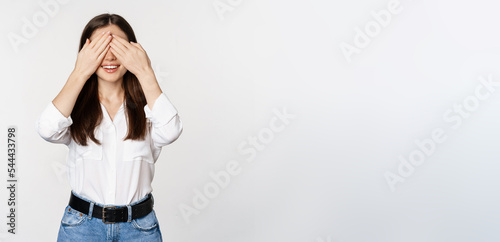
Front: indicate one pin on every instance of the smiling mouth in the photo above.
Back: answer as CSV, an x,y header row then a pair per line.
x,y
110,68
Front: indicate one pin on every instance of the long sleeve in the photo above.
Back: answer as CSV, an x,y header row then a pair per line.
x,y
166,123
53,127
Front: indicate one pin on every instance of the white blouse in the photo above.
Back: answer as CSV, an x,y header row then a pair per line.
x,y
117,172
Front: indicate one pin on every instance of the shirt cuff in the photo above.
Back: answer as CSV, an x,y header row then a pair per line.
x,y
53,119
163,111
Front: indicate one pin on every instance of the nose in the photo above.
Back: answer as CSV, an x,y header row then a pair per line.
x,y
109,56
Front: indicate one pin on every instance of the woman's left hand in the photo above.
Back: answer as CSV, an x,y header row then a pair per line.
x,y
131,55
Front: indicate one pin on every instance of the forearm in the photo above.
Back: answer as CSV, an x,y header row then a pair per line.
x,y
150,86
66,99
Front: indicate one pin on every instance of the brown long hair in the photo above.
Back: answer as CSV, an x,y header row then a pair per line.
x,y
87,112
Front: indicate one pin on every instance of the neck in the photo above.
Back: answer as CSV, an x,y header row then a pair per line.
x,y
110,91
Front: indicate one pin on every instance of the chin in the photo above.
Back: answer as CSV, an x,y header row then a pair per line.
x,y
110,77
110,80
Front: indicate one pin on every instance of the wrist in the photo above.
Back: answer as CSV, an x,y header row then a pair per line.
x,y
146,74
80,75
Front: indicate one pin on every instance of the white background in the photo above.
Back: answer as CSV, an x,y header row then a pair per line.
x,y
321,177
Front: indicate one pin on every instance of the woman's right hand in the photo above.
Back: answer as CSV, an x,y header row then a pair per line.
x,y
91,55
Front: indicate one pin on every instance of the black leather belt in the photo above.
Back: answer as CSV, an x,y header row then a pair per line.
x,y
113,214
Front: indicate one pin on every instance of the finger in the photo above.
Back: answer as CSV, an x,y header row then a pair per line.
x,y
138,46
92,43
118,55
118,48
87,42
101,56
119,45
122,41
104,44
98,42
102,40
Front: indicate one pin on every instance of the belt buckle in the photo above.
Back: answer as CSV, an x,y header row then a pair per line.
x,y
104,214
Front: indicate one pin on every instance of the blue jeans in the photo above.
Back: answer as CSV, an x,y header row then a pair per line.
x,y
77,226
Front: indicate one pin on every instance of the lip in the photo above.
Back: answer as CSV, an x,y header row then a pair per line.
x,y
112,70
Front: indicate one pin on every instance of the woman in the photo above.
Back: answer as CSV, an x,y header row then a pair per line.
x,y
114,118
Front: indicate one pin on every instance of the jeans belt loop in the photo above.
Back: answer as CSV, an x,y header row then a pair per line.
x,y
129,219
91,209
